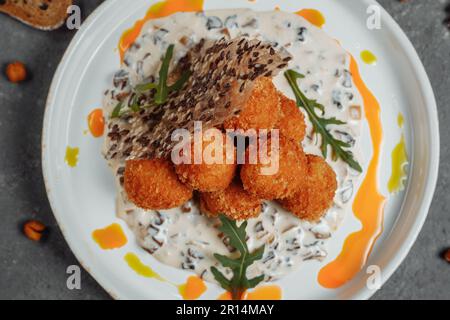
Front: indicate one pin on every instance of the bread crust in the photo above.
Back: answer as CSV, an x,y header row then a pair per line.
x,y
40,14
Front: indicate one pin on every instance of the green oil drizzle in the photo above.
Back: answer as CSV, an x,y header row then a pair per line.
x,y
141,269
71,156
399,157
368,57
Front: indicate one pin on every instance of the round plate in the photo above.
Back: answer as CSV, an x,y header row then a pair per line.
x,y
82,198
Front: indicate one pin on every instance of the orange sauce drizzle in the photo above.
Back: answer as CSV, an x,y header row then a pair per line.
x,y
225,296
269,292
158,10
96,122
314,16
192,289
111,237
368,206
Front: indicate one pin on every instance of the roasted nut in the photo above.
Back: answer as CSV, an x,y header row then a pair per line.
x,y
447,255
34,230
16,72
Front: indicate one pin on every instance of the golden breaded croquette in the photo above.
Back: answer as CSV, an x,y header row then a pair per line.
x,y
154,185
288,177
207,176
261,110
234,202
292,121
313,200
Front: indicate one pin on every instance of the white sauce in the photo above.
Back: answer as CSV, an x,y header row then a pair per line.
x,y
188,240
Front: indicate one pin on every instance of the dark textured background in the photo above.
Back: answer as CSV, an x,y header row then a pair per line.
x,y
31,270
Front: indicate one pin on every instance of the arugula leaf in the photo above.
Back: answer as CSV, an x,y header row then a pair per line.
x,y
239,283
162,89
320,124
141,88
178,85
134,104
117,109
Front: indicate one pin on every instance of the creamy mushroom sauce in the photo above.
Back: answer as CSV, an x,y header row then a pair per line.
x,y
182,237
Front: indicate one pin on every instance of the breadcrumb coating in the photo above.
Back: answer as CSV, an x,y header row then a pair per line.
x,y
292,120
312,201
206,177
261,110
234,202
153,185
286,180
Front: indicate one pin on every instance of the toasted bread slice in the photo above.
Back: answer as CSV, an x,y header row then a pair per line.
x,y
41,14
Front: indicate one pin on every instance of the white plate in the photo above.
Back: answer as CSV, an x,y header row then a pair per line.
x,y
82,198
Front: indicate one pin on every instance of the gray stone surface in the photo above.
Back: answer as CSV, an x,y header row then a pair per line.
x,y
38,271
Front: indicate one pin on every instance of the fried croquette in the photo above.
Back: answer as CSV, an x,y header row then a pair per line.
x,y
210,176
279,174
292,121
154,185
234,202
261,110
312,201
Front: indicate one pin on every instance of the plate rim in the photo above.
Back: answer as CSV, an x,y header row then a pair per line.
x,y
430,182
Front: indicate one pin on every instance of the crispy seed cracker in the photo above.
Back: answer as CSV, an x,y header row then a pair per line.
x,y
223,73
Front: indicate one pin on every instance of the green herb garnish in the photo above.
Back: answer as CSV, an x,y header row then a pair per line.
x,y
162,89
239,283
320,124
134,104
117,109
